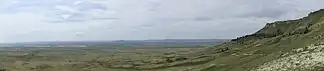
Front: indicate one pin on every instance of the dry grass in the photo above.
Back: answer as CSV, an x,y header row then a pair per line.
x,y
123,60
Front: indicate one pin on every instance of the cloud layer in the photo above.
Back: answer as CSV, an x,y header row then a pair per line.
x,y
75,20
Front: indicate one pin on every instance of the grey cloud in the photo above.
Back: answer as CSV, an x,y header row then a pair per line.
x,y
104,18
265,13
66,21
203,19
146,19
80,20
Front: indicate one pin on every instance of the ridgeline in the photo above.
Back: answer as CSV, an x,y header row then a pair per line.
x,y
270,46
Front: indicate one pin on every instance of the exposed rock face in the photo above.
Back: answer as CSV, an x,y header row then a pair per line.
x,y
302,59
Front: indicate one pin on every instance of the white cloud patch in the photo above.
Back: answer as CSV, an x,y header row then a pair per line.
x,y
66,16
77,2
66,8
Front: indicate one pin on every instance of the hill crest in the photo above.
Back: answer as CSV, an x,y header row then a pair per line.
x,y
269,43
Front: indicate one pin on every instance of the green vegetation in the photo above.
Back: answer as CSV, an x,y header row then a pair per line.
x,y
270,43
128,59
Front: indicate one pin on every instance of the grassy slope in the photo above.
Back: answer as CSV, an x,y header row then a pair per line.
x,y
269,43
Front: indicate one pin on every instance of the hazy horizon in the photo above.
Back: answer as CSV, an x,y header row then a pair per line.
x,y
105,40
84,20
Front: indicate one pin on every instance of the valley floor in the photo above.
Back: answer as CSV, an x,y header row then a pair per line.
x,y
139,59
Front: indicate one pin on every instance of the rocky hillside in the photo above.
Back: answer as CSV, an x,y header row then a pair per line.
x,y
310,58
271,47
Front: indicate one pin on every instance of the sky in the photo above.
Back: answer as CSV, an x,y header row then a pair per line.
x,y
91,20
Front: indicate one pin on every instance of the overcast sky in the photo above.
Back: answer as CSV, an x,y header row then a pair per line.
x,y
77,20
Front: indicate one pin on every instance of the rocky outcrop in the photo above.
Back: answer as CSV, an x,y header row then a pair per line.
x,y
301,59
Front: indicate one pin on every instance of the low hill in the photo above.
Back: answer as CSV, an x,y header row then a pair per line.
x,y
276,47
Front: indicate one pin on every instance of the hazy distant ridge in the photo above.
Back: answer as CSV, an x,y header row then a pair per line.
x,y
126,43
